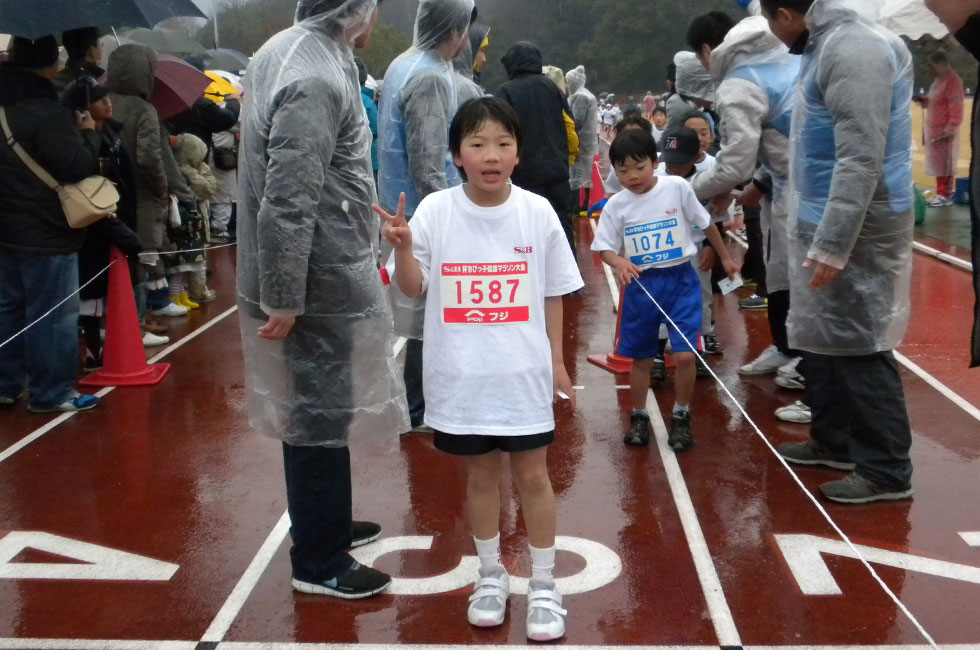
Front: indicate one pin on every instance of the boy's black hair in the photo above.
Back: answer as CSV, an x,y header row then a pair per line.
x,y
660,109
709,29
700,115
799,6
472,115
633,119
362,73
78,41
634,144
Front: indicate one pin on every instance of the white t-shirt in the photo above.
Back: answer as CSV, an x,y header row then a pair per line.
x,y
653,229
487,359
658,135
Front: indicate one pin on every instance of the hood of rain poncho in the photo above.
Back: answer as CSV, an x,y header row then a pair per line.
x,y
130,70
435,22
692,79
479,33
575,79
307,240
190,150
523,57
851,190
557,76
754,7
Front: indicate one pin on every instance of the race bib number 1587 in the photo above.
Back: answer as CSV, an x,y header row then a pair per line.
x,y
485,294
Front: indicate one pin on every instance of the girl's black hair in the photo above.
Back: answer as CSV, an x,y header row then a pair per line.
x,y
634,144
633,119
473,114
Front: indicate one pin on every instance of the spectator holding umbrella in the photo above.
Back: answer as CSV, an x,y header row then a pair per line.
x,y
944,105
38,250
84,53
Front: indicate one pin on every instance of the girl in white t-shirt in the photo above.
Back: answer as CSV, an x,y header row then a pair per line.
x,y
494,264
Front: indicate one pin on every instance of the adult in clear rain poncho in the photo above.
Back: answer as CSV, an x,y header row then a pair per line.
x,y
421,94
756,88
319,370
585,111
850,240
692,83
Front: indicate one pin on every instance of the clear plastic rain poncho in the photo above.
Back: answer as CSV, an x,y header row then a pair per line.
x,y
419,101
692,79
851,184
307,237
585,112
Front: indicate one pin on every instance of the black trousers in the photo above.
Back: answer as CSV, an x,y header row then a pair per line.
x,y
754,265
318,494
778,313
412,374
559,196
858,410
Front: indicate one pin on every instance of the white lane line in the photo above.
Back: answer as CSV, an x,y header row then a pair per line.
x,y
246,584
714,594
610,278
93,644
64,417
233,605
945,257
938,385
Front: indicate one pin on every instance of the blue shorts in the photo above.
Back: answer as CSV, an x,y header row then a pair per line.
x,y
678,290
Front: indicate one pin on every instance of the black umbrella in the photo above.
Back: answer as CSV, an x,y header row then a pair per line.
x,y
36,18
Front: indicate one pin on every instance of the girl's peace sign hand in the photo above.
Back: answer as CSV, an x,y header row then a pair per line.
x,y
396,228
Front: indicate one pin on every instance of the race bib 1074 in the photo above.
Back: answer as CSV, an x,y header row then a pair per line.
x,y
652,243
485,293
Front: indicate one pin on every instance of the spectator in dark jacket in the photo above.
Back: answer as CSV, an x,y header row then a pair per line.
x,y
539,103
38,250
84,53
205,118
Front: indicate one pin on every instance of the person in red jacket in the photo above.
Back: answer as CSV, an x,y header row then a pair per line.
x,y
944,104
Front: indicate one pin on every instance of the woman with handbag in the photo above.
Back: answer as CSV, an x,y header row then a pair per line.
x,y
38,248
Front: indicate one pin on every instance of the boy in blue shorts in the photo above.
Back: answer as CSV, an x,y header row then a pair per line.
x,y
645,234
496,264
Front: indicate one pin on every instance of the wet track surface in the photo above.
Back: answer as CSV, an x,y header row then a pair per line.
x,y
715,547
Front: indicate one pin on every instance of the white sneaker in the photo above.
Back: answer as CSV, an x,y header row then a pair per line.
x,y
488,602
788,377
766,363
797,412
172,309
151,340
545,616
940,201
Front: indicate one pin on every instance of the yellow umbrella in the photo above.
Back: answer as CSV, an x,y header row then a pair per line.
x,y
219,89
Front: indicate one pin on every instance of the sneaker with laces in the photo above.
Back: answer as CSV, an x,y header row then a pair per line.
x,y
701,368
680,438
639,433
797,413
151,340
766,363
659,370
939,201
359,581
754,301
364,532
788,377
811,453
857,489
711,344
488,602
172,309
75,402
545,616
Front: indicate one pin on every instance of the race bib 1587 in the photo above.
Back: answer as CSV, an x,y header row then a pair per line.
x,y
651,243
485,293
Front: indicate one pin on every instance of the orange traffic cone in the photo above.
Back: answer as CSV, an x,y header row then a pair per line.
x,y
124,361
612,362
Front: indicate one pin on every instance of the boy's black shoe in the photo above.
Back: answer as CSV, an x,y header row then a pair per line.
x,y
711,344
639,433
364,532
659,370
700,368
359,581
680,438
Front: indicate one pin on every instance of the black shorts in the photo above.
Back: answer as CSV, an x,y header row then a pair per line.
x,y
475,445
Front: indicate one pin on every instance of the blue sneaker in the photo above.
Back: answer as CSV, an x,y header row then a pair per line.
x,y
75,402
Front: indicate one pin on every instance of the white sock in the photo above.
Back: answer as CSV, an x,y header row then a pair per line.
x,y
488,550
678,409
542,564
642,412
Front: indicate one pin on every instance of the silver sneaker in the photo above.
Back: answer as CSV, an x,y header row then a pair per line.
x,y
545,616
766,363
488,602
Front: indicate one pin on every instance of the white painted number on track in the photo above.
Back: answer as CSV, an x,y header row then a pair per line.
x,y
602,567
101,563
803,555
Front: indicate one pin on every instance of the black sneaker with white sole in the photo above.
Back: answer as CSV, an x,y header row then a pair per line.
x,y
659,370
680,438
364,532
856,489
711,345
639,433
359,581
810,453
